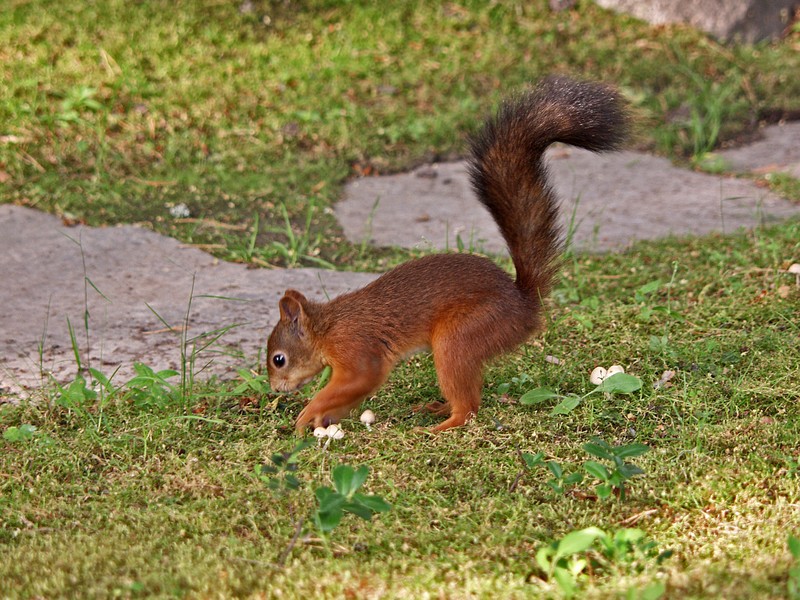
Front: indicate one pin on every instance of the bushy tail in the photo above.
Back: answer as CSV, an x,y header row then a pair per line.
x,y
510,178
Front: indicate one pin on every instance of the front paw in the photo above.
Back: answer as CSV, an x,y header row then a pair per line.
x,y
309,417
303,420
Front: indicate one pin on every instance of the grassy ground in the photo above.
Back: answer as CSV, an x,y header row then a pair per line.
x,y
119,111
147,492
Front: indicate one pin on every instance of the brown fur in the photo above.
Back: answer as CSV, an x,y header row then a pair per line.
x,y
462,307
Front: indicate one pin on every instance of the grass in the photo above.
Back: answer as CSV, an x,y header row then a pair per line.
x,y
240,114
150,492
149,489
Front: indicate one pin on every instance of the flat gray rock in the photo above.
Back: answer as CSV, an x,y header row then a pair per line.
x,y
777,151
608,201
131,275
741,20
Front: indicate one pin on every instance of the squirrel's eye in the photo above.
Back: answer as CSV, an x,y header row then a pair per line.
x,y
279,360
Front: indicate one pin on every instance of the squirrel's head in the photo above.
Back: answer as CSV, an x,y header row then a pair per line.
x,y
292,360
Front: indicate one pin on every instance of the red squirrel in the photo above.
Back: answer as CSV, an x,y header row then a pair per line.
x,y
463,307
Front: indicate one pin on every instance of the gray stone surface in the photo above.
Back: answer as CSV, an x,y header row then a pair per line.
x,y
42,275
777,151
740,20
616,199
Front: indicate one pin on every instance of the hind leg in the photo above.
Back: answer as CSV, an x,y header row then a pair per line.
x,y
440,409
460,375
461,346
461,386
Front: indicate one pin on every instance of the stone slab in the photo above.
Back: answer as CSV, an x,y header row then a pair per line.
x,y
608,200
738,20
778,150
131,275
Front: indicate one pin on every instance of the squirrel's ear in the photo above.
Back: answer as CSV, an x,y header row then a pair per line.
x,y
292,311
296,295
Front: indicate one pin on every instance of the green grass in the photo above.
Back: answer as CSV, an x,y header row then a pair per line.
x,y
146,495
119,111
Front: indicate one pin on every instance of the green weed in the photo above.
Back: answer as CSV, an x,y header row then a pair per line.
x,y
298,247
23,433
332,504
612,480
619,383
561,481
567,561
345,498
794,570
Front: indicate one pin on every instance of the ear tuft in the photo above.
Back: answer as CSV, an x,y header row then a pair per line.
x,y
290,308
290,293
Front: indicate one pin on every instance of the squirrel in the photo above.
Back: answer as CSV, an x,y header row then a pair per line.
x,y
463,307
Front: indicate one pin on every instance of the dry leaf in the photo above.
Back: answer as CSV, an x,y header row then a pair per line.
x,y
666,376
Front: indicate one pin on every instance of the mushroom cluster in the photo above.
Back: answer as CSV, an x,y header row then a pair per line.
x,y
332,432
601,373
335,432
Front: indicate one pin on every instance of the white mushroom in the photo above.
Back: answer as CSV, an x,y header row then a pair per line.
x,y
334,432
614,369
598,375
368,418
794,269
320,433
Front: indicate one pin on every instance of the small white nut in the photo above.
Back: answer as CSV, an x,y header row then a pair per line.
x,y
597,376
613,369
368,418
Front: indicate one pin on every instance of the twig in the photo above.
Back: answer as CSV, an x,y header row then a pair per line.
x,y
521,474
213,223
252,561
639,516
32,161
288,550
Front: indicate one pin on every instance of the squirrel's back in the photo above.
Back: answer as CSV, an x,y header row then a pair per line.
x,y
510,177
